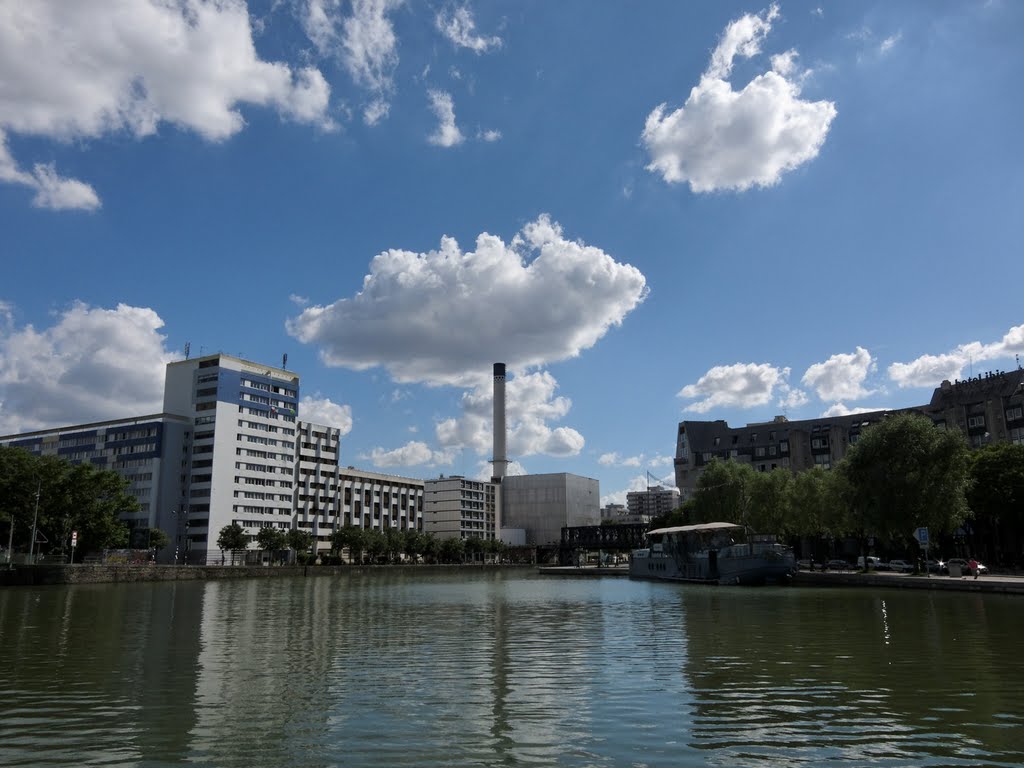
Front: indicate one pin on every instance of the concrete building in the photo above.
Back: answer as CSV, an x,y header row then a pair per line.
x,y
458,508
377,501
242,457
147,451
653,502
544,504
228,448
987,408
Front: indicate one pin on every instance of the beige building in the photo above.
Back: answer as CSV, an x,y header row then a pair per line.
x,y
456,507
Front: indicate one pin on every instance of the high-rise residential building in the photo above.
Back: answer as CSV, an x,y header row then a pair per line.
x,y
456,507
241,462
653,502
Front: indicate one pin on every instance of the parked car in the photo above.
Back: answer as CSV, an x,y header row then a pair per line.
x,y
900,566
804,565
837,565
872,562
963,565
935,566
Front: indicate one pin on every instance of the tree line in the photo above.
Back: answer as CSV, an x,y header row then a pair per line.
x,y
902,474
362,545
60,497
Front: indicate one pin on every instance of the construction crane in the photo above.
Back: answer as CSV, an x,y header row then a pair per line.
x,y
666,483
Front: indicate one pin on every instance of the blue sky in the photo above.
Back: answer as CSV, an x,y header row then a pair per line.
x,y
650,211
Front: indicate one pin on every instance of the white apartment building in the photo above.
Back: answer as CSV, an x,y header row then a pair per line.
x,y
377,501
458,508
654,502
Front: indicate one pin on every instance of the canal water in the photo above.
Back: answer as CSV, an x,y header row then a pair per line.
x,y
506,668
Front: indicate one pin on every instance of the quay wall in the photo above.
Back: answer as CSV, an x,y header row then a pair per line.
x,y
40,575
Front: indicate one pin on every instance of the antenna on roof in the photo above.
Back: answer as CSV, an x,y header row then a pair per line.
x,y
284,361
188,348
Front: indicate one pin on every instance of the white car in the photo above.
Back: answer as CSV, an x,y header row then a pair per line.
x,y
963,566
901,566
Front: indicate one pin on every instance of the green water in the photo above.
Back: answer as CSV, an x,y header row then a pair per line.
x,y
506,669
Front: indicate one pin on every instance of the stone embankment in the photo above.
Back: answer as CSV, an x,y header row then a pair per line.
x,y
1007,584
40,575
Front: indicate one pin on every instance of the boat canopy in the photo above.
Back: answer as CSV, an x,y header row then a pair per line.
x,y
699,528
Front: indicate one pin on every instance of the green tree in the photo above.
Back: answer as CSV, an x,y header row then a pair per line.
x,y
376,544
394,544
996,498
769,506
474,547
413,543
351,538
904,473
452,550
430,547
723,493
158,539
271,539
231,538
60,498
299,540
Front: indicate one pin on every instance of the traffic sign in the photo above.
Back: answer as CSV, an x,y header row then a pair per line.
x,y
921,534
74,538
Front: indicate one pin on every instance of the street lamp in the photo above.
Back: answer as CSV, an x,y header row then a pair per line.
x,y
35,518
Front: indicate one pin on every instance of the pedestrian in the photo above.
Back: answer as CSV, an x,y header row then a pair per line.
x,y
973,566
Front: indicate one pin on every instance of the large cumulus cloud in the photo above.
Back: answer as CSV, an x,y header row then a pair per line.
x,y
443,316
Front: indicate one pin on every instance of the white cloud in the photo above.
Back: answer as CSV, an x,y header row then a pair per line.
x,y
298,300
742,385
51,190
84,70
447,133
819,12
72,70
890,42
931,370
842,376
457,25
530,403
792,398
489,136
324,411
412,454
365,43
444,316
726,139
839,409
613,459
91,364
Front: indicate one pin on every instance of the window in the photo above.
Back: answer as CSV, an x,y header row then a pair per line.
x,y
975,421
1017,435
1012,414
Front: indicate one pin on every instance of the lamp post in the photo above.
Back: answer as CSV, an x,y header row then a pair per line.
x,y
35,518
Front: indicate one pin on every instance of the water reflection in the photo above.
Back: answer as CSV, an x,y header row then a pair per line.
x,y
853,676
504,669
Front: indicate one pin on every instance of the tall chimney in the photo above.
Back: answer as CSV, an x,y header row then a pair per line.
x,y
500,461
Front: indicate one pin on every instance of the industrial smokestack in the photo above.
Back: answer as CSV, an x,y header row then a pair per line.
x,y
500,460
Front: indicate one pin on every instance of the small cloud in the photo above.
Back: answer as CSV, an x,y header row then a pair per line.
x,y
889,42
489,135
412,454
299,301
742,385
839,409
457,24
322,410
842,376
819,12
447,133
